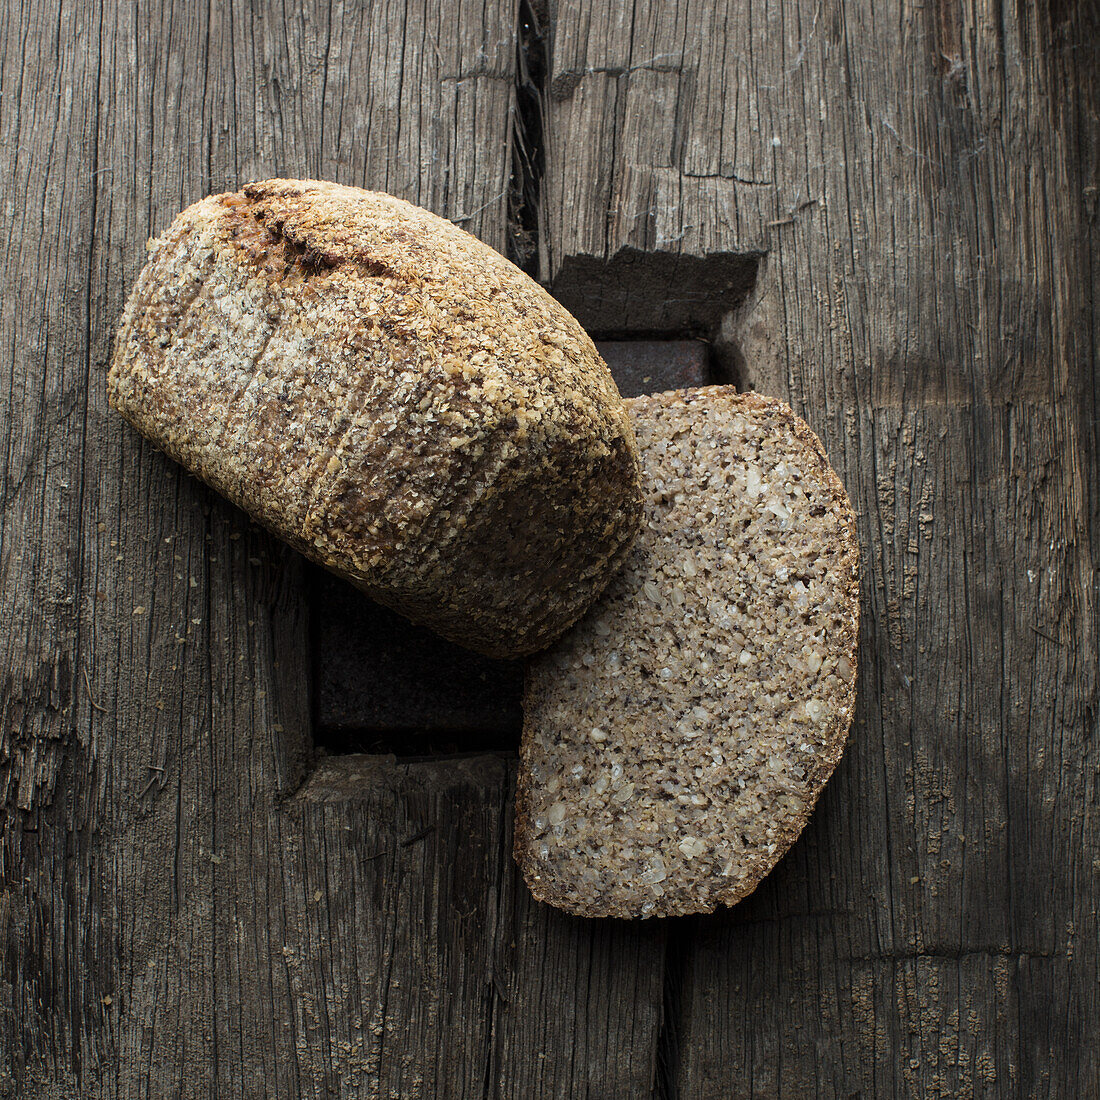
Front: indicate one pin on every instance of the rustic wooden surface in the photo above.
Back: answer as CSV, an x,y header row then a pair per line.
x,y
922,181
195,904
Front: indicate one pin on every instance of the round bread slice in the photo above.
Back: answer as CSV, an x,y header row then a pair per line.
x,y
393,398
676,740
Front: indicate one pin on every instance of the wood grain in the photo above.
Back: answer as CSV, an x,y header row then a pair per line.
x,y
177,921
922,182
194,904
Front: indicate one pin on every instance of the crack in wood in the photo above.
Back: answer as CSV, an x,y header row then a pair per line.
x,y
681,934
528,149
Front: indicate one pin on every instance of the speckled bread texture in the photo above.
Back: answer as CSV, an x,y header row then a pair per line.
x,y
392,397
676,740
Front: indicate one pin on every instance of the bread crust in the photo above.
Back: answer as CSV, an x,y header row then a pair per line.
x,y
544,693
393,398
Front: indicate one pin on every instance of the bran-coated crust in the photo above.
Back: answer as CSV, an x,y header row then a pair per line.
x,y
393,398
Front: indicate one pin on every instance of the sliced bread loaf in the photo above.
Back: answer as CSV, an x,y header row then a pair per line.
x,y
393,398
676,740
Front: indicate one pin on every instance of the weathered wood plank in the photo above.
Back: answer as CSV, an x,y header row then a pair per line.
x,y
578,1003
163,933
923,184
934,932
658,215
390,957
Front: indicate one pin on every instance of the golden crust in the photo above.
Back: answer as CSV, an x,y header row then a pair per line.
x,y
393,398
686,837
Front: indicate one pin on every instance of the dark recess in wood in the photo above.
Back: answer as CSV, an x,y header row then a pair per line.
x,y
681,933
655,294
528,156
382,685
385,685
650,366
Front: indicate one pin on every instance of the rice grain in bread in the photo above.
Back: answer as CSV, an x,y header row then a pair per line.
x,y
676,740
392,397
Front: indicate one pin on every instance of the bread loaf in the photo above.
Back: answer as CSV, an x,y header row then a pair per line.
x,y
676,740
393,398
